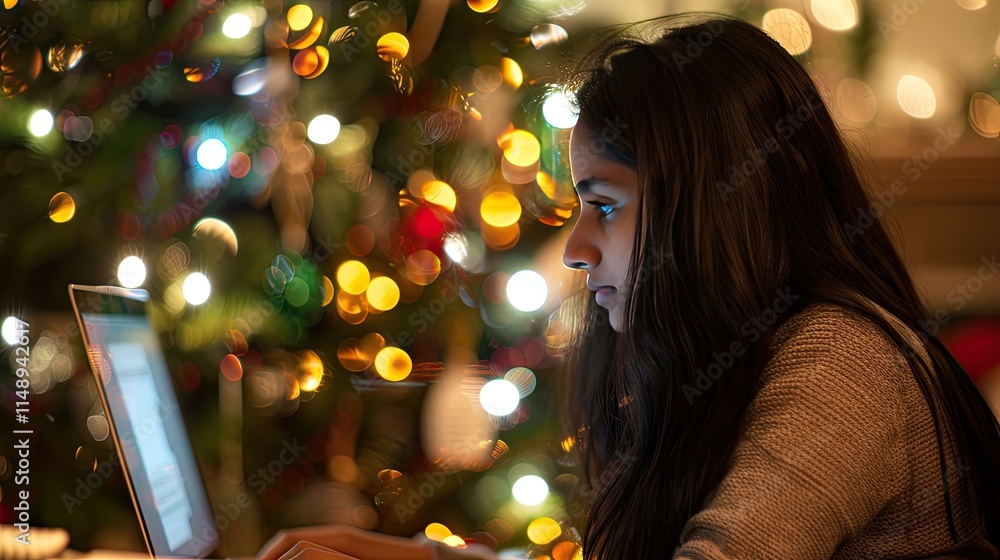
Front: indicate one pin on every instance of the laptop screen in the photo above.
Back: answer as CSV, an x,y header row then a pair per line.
x,y
166,485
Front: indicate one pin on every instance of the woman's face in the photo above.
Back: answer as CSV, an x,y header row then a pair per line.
x,y
601,240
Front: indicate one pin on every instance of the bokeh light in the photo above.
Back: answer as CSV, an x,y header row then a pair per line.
x,y
789,28
310,371
196,288
543,530
323,129
500,209
40,123
557,108
423,267
521,148
62,208
439,193
212,154
9,330
984,115
353,277
299,17
131,272
482,6
547,34
311,62
916,97
237,26
838,15
526,291
393,364
511,71
437,532
392,46
499,397
382,293
231,367
530,490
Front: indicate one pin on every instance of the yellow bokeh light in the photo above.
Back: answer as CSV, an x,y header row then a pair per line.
x,y
393,364
522,148
309,37
62,208
392,46
501,238
543,530
422,267
310,371
789,28
299,17
500,209
511,71
382,293
838,15
327,291
454,540
353,277
567,551
437,532
439,193
482,6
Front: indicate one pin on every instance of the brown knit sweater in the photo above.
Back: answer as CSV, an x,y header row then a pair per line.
x,y
838,458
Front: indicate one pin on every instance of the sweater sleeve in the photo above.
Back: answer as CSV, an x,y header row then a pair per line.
x,y
821,452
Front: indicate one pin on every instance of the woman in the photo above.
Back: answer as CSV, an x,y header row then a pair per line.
x,y
756,379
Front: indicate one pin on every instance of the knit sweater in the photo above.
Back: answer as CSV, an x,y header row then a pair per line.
x,y
838,457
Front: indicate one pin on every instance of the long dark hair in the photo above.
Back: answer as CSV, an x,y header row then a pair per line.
x,y
747,189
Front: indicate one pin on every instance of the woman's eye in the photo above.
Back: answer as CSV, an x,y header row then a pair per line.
x,y
604,209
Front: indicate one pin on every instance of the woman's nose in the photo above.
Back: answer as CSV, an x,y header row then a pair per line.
x,y
580,252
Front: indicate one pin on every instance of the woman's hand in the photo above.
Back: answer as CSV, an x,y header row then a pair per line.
x,y
343,541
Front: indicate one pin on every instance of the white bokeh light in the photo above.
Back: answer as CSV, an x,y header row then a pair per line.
x,y
131,272
10,330
212,154
499,397
196,288
916,97
530,490
558,110
237,26
527,290
323,129
40,123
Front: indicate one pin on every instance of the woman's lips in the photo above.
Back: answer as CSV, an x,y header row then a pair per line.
x,y
604,296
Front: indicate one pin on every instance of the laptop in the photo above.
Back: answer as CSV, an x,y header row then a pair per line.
x,y
148,430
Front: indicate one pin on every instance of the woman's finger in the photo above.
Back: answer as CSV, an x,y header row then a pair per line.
x,y
304,550
282,541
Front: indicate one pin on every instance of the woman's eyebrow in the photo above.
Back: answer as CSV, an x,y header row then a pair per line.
x,y
586,186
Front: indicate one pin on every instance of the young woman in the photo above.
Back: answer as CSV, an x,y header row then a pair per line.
x,y
754,376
